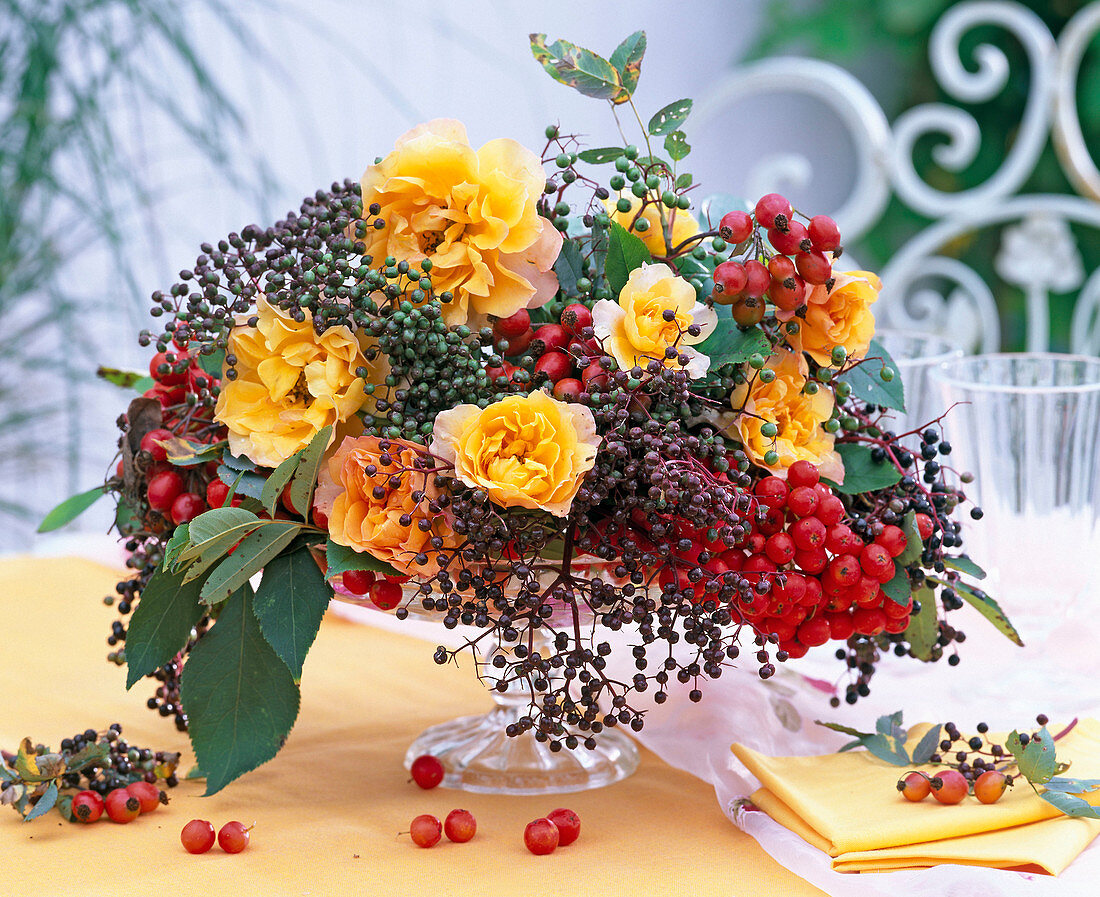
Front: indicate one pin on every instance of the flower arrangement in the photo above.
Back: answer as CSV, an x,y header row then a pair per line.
x,y
525,392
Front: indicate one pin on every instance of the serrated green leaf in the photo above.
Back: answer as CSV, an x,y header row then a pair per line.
x,y
600,154
923,630
341,559
627,60
964,564
625,252
887,748
581,69
305,475
927,746
670,118
1071,805
676,146
914,547
71,508
861,472
241,700
273,487
683,181
1072,786
729,344
237,463
161,623
890,724
1036,760
213,523
867,383
242,482
263,544
176,543
569,267
290,602
989,609
898,589
45,803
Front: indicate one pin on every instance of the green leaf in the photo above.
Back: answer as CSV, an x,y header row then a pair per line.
x,y
683,181
211,524
887,748
212,534
1036,759
676,146
964,564
1071,805
861,472
927,746
305,476
256,549
241,700
161,623
846,730
1072,786
340,558
627,60
729,344
914,547
189,453
213,363
71,508
178,541
898,589
242,482
670,118
45,803
625,252
924,629
290,603
868,385
569,267
235,463
124,379
273,487
581,69
601,154
87,755
989,609
890,725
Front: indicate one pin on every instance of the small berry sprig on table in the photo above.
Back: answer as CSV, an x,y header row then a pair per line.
x,y
91,772
976,765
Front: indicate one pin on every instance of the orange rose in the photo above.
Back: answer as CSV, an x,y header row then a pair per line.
x,y
839,317
797,415
370,505
525,451
472,213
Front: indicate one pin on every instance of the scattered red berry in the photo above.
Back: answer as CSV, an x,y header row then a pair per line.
x,y
425,831
385,594
568,824
358,582
460,826
187,507
87,806
121,806
163,490
427,771
953,789
541,836
233,837
197,836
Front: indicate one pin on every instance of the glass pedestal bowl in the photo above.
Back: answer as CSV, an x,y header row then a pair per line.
x,y
478,754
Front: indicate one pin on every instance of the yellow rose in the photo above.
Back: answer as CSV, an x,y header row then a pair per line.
x,y
472,213
370,505
635,329
839,317
525,451
798,416
683,222
290,383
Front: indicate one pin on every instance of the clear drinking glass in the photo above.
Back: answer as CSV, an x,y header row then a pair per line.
x,y
1028,427
916,353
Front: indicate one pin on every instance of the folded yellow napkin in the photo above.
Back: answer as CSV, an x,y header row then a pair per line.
x,y
848,805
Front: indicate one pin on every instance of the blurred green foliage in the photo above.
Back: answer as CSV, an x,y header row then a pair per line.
x,y
80,81
884,43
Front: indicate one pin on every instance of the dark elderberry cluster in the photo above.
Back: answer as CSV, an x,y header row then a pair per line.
x,y
123,764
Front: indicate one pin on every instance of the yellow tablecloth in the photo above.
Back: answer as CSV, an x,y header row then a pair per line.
x,y
329,808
